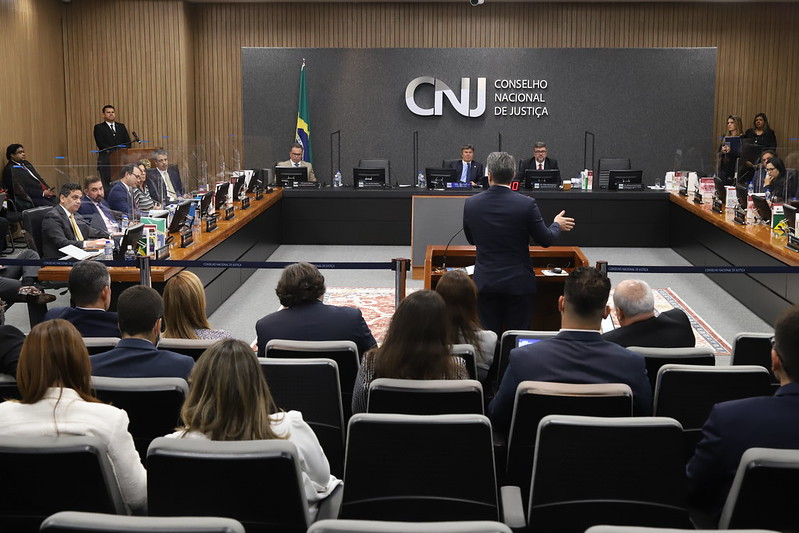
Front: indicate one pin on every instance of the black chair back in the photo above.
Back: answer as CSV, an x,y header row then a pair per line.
x,y
753,349
32,222
425,397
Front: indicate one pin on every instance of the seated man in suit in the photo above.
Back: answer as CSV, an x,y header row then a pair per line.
x,y
635,309
539,161
121,197
762,422
24,185
94,207
136,356
295,160
163,181
62,226
306,318
469,170
577,354
90,287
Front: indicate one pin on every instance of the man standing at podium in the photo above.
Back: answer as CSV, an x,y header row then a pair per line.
x,y
500,222
295,160
109,135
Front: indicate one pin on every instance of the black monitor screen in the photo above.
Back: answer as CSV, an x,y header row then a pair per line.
x,y
790,215
220,196
438,177
131,238
721,191
237,187
205,203
181,214
285,176
369,177
257,180
762,206
621,179
541,179
743,196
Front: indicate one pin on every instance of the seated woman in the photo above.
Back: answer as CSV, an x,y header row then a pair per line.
x,y
417,346
460,296
140,193
54,379
184,309
728,154
230,400
779,186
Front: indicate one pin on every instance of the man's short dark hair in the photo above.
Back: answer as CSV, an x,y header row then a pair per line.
x,y
12,149
127,169
786,341
586,292
139,308
108,106
300,283
467,147
67,188
298,145
86,282
501,166
91,179
540,144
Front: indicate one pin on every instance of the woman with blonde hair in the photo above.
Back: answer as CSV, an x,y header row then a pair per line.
x,y
230,400
54,379
184,309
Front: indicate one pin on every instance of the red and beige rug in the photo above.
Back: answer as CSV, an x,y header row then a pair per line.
x,y
377,306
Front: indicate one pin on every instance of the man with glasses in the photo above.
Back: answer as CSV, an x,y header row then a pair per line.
x,y
539,161
295,160
121,197
163,181
761,422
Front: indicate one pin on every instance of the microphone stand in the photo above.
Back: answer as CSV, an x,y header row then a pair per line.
x,y
444,258
415,138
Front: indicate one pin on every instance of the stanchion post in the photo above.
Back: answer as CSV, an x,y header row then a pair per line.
x,y
401,267
602,266
146,278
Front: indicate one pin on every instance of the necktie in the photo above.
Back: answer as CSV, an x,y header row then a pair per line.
x,y
113,129
296,164
540,166
75,228
465,176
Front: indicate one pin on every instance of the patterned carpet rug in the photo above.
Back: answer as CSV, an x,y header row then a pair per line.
x,y
377,306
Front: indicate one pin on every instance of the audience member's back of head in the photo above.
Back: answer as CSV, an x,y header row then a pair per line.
x,y
501,166
228,395
299,284
586,292
460,297
139,308
786,341
634,297
86,281
53,355
184,306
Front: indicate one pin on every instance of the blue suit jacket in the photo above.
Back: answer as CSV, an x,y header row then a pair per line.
x,y
97,323
91,213
138,358
315,321
572,357
500,222
119,199
475,172
731,429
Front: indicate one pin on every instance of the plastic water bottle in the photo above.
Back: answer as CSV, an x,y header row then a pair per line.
x,y
421,182
108,250
125,222
337,179
130,255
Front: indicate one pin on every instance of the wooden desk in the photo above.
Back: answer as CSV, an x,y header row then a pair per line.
x,y
545,308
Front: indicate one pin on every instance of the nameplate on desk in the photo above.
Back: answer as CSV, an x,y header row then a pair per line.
x,y
458,185
630,186
259,194
186,238
210,223
793,243
230,212
683,191
245,202
740,216
162,253
304,185
542,185
718,205
367,184
697,197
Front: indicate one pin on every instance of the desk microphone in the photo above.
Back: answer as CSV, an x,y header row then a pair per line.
x,y
135,137
444,259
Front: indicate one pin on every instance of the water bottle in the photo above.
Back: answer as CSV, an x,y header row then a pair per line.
x,y
421,182
125,222
108,251
172,208
337,179
750,206
130,255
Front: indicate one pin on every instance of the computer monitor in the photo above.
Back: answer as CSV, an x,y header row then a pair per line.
x,y
790,216
743,196
220,194
721,190
437,178
237,187
259,179
368,177
534,179
132,236
625,179
286,176
762,206
205,203
181,214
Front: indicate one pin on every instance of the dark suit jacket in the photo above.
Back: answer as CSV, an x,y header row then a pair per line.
x,y
157,188
315,321
475,172
670,329
24,189
105,138
138,358
549,164
97,323
91,212
572,357
57,232
500,222
119,199
731,429
11,340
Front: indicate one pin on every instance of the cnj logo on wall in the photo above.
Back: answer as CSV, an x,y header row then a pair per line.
x,y
441,90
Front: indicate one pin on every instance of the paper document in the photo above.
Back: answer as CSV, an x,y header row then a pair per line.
x,y
78,253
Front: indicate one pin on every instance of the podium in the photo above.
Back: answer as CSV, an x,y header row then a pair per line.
x,y
545,307
123,156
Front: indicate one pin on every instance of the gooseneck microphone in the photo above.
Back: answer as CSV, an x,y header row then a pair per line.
x,y
446,248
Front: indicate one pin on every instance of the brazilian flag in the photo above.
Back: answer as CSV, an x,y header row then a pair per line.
x,y
304,119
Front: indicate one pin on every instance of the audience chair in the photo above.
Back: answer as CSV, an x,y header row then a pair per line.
x,y
445,163
753,349
440,467
344,353
687,393
256,482
379,526
763,493
657,357
425,396
592,470
468,353
194,348
75,522
8,388
44,475
32,223
97,345
507,343
311,386
638,529
153,404
537,399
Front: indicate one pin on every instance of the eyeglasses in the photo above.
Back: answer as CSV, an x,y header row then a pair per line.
x,y
770,169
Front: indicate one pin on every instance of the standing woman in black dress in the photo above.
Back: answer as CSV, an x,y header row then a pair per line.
x,y
728,155
761,134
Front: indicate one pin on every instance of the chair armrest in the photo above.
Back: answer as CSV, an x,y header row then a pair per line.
x,y
512,507
329,507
